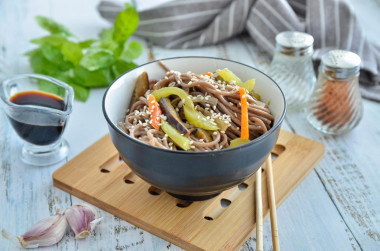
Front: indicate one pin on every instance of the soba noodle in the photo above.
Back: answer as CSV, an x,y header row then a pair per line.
x,y
213,95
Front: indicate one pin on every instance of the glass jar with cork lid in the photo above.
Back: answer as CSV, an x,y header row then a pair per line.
x,y
336,107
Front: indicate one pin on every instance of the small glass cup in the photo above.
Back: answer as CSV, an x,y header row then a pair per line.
x,y
38,108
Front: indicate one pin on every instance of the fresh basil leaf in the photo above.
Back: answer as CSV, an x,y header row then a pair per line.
x,y
121,67
72,52
97,59
32,52
49,87
54,56
52,53
54,40
126,23
118,50
106,34
52,26
87,43
90,63
80,93
98,78
108,45
41,65
132,51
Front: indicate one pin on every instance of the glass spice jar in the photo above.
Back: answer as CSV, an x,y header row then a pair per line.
x,y
292,67
336,107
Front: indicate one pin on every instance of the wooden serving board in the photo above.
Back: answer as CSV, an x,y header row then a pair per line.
x,y
222,223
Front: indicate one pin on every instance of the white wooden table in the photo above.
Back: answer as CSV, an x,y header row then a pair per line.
x,y
335,208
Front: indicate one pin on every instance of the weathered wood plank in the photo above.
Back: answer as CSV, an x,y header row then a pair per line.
x,y
350,173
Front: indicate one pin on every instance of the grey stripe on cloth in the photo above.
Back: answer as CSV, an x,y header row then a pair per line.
x,y
193,23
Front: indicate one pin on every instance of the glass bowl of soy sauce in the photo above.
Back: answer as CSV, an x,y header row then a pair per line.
x,y
38,108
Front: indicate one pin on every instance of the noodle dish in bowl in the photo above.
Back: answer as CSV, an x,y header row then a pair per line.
x,y
194,126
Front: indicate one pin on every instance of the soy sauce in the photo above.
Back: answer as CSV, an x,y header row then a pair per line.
x,y
38,134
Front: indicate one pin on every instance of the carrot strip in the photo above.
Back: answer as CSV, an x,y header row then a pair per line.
x,y
207,74
155,112
244,114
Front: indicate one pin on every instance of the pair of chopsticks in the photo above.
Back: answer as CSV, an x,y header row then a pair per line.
x,y
272,208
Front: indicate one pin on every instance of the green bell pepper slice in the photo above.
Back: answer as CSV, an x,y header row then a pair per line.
x,y
199,120
194,117
167,91
238,142
229,76
175,135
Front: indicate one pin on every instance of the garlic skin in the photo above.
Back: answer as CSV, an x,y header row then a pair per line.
x,y
82,219
46,232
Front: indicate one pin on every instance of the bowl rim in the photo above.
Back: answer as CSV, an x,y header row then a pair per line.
x,y
258,139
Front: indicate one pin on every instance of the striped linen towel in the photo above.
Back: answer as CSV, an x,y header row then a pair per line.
x,y
192,23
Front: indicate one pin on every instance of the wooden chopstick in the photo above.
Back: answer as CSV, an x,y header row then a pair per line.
x,y
259,213
272,204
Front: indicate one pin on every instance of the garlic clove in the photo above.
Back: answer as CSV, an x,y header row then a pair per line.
x,y
46,232
82,219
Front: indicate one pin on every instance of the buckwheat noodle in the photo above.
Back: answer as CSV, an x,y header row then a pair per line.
x,y
207,92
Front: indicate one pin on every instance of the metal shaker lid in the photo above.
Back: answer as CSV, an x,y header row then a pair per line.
x,y
340,64
294,43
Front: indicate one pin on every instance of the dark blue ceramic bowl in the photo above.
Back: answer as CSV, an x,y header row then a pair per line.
x,y
192,175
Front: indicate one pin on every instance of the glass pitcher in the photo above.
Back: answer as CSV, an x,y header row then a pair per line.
x,y
38,108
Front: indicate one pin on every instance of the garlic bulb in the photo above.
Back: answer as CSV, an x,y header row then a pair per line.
x,y
82,219
46,232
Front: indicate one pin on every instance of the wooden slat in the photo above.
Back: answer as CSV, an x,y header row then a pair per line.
x,y
185,227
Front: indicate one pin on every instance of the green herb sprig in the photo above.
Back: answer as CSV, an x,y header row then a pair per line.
x,y
90,63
